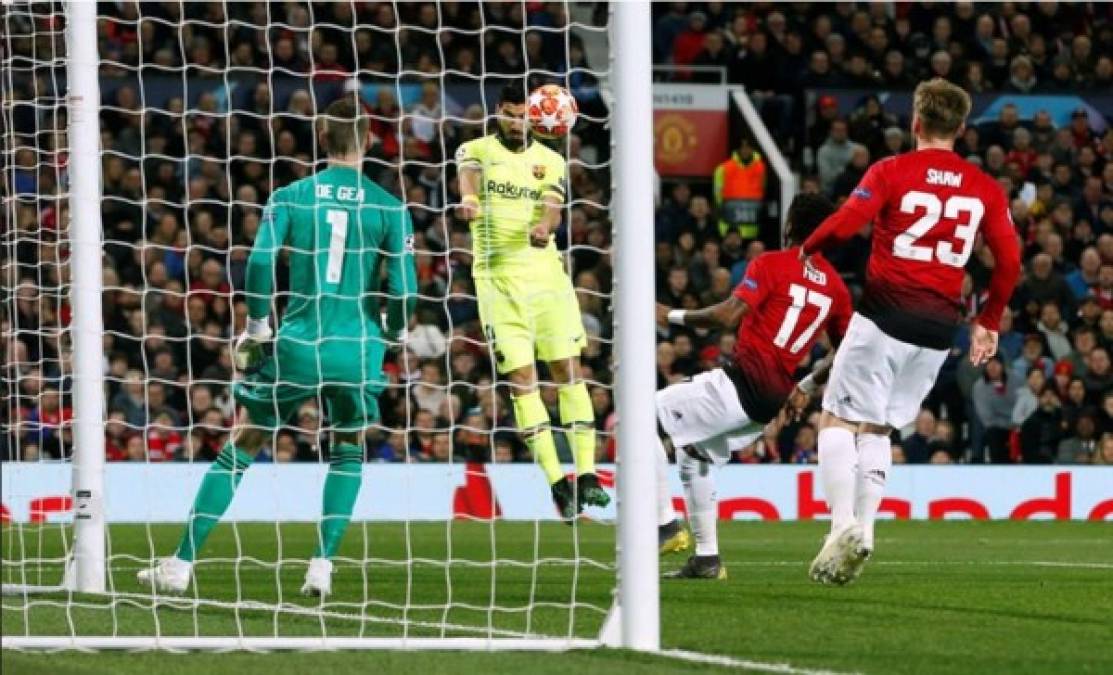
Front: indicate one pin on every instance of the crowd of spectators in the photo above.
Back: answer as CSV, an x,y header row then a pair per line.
x,y
779,51
184,183
185,179
1049,395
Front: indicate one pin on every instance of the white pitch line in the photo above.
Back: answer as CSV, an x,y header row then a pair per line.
x,y
730,662
937,563
1081,565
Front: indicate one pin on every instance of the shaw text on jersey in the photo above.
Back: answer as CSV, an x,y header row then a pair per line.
x,y
948,178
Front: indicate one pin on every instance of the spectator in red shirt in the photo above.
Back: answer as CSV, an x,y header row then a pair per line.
x,y
690,42
115,437
1104,290
164,442
386,116
326,68
1080,128
1022,153
135,449
212,283
213,434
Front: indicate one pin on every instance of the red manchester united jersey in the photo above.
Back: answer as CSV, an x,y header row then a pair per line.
x,y
791,304
927,208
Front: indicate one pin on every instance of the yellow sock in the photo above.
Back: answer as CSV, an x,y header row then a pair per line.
x,y
533,421
578,416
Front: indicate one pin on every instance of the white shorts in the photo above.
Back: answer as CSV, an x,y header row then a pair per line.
x,y
879,379
705,412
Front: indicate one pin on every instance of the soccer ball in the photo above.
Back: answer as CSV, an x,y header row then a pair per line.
x,y
551,111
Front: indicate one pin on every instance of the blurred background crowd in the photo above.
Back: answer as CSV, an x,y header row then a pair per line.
x,y
1048,397
185,180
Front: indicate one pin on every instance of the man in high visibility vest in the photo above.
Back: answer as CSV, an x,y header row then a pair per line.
x,y
739,191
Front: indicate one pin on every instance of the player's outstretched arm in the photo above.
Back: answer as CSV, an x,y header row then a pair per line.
x,y
724,315
860,208
839,226
401,273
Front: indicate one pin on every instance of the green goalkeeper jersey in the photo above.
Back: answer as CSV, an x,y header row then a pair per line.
x,y
511,187
339,229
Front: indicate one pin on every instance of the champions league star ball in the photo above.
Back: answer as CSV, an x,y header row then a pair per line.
x,y
551,111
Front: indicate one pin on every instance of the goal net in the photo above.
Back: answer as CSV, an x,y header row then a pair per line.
x,y
117,335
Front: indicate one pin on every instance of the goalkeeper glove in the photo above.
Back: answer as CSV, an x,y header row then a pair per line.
x,y
395,339
250,351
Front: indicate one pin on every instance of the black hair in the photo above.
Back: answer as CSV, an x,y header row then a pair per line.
x,y
805,215
513,93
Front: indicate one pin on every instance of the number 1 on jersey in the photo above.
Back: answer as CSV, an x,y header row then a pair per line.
x,y
802,296
338,222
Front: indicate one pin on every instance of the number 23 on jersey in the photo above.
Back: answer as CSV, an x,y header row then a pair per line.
x,y
967,212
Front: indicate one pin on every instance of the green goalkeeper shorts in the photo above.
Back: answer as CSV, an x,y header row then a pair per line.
x,y
272,402
530,318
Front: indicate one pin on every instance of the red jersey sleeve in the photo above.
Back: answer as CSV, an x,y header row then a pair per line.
x,y
861,207
1000,236
839,322
755,286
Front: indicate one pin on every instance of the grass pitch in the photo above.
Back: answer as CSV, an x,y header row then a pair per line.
x,y
951,597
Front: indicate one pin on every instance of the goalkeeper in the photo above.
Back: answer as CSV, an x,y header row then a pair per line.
x,y
340,229
512,193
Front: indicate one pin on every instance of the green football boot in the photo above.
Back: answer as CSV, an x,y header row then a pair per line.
x,y
565,500
590,492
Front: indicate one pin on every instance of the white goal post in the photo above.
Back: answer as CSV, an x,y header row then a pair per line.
x,y
633,621
83,104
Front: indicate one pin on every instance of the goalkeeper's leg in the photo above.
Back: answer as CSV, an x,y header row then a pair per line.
x,y
213,498
578,417
345,474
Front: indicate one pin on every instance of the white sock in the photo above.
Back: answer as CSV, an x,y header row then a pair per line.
x,y
665,513
703,504
838,458
875,461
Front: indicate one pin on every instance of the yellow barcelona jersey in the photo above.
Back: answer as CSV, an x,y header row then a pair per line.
x,y
511,187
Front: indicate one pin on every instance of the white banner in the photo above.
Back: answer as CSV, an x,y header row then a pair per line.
x,y
39,492
689,97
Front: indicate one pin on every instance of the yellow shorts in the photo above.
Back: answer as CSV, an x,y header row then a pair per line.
x,y
530,319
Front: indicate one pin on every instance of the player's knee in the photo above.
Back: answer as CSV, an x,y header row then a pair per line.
x,y
564,371
250,439
247,436
692,463
523,380
530,432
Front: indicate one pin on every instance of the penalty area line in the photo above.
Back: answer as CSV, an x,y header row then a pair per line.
x,y
731,662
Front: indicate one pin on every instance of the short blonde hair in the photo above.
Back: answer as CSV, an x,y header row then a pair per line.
x,y
942,107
